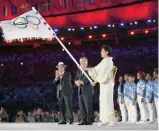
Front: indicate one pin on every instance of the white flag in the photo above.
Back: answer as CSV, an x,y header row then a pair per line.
x,y
32,24
29,24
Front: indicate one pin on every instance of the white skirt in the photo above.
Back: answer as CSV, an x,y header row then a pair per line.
x,y
106,103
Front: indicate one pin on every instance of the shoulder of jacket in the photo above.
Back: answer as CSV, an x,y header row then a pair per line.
x,y
78,70
68,73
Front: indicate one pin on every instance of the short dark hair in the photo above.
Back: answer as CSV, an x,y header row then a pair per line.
x,y
149,74
142,75
127,74
120,76
132,75
107,48
84,58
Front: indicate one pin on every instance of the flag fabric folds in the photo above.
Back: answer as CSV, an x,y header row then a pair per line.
x,y
29,24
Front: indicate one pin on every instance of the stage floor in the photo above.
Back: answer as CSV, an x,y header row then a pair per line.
x,y
55,126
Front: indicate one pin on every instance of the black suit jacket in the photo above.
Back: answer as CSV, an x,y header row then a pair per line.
x,y
66,83
87,88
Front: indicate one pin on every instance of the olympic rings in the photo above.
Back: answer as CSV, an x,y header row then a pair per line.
x,y
22,22
30,21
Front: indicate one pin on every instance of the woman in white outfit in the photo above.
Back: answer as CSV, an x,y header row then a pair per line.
x,y
102,74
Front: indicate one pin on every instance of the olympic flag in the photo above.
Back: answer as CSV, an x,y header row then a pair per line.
x,y
32,24
29,24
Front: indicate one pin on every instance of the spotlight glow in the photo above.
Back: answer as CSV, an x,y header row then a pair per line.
x,y
56,30
149,21
95,27
109,25
132,33
104,35
146,31
82,28
122,24
90,36
62,38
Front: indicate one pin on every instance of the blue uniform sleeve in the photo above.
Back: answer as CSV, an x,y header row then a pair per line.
x,y
151,86
134,88
143,85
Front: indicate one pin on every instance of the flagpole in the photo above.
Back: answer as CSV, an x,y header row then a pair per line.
x,y
72,58
54,34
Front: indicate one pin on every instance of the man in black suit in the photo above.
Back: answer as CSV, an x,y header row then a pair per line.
x,y
85,91
64,93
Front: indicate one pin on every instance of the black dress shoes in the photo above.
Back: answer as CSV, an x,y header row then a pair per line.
x,y
89,123
62,123
71,122
82,123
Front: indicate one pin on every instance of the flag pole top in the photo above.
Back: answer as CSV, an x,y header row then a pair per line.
x,y
33,8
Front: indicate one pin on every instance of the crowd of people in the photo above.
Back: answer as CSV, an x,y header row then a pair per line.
x,y
38,115
28,78
21,69
143,94
137,99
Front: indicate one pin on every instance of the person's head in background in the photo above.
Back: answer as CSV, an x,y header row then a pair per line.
x,y
47,113
29,114
141,75
148,77
83,62
131,78
2,109
58,113
39,111
155,74
61,67
121,79
126,76
105,51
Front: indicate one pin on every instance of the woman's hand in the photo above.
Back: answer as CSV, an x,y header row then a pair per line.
x,y
93,83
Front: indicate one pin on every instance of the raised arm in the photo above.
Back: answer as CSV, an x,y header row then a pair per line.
x,y
56,81
57,77
102,72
